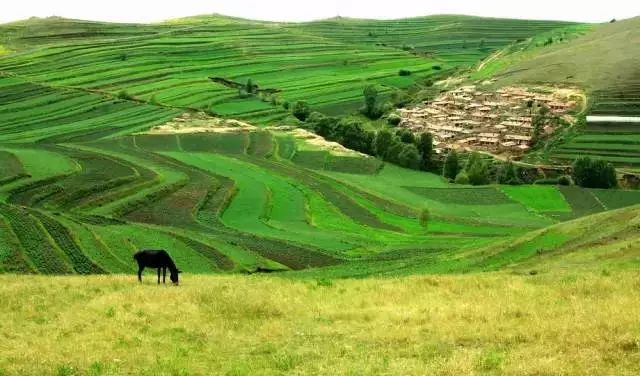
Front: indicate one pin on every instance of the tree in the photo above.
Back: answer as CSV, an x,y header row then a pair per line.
x,y
406,136
462,178
395,149
409,157
123,94
371,109
250,87
451,165
539,120
590,173
383,141
394,120
425,147
325,126
424,218
509,174
477,170
301,110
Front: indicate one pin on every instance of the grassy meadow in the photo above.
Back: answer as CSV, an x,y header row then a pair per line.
x,y
571,322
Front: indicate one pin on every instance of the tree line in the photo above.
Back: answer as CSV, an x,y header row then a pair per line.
x,y
402,147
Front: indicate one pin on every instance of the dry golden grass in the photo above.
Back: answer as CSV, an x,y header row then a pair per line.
x,y
498,323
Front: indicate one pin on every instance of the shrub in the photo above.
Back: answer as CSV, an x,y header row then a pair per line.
x,y
565,180
462,178
404,72
123,94
547,181
436,67
285,105
400,99
242,93
301,110
394,120
424,217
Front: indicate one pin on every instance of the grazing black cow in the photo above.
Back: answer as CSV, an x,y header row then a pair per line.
x,y
157,259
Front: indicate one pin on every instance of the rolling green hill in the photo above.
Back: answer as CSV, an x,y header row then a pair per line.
x,y
82,186
172,62
606,64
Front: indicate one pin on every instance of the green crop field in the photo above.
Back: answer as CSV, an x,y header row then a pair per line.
x,y
120,137
83,186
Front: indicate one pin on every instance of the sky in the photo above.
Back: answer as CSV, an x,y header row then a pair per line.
x,y
300,10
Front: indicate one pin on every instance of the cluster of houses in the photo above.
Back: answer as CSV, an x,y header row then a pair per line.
x,y
471,119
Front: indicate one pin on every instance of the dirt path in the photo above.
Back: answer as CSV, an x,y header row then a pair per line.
x,y
489,59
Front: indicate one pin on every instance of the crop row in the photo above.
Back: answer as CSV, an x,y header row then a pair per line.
x,y
64,239
11,254
35,241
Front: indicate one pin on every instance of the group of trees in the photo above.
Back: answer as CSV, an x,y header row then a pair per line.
x,y
372,108
594,173
586,172
248,90
478,171
403,148
400,147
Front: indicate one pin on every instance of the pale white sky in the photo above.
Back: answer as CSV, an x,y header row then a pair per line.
x,y
300,10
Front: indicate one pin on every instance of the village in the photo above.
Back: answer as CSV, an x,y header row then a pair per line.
x,y
500,122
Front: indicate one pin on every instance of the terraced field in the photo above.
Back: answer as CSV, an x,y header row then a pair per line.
x,y
83,186
617,142
325,63
603,62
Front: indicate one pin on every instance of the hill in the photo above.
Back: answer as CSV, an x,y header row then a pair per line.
x,y
84,184
605,64
117,137
172,62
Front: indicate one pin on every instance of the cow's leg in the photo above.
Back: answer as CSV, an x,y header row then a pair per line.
x,y
140,270
164,275
158,275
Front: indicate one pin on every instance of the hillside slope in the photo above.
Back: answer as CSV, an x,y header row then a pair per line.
x,y
606,64
325,63
606,59
83,185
